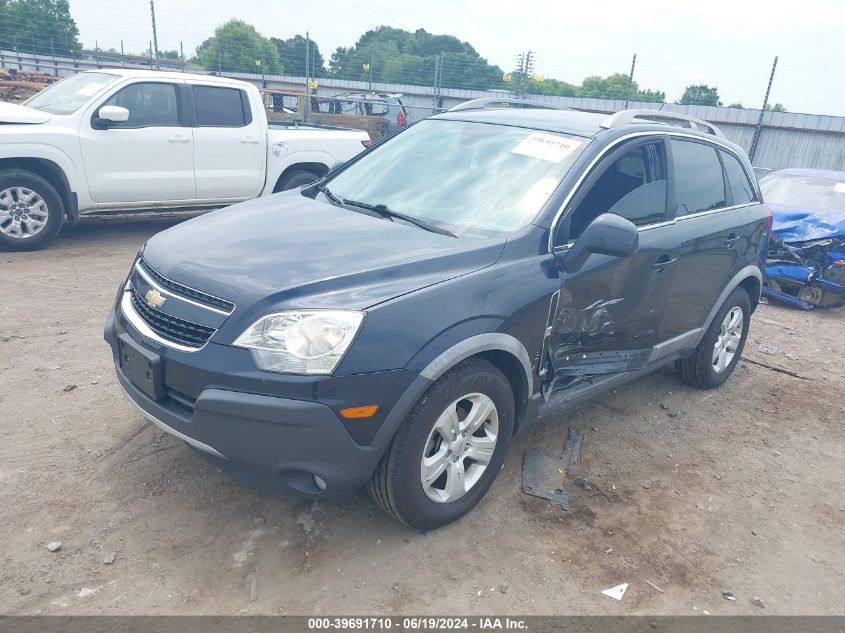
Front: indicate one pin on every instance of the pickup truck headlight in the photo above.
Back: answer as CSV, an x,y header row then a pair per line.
x,y
301,342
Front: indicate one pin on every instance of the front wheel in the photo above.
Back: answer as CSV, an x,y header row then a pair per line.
x,y
31,211
296,178
448,451
717,354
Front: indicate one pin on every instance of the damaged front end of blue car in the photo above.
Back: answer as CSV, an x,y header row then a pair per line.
x,y
807,274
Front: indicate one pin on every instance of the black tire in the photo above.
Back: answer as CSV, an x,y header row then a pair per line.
x,y
13,178
296,178
396,484
698,369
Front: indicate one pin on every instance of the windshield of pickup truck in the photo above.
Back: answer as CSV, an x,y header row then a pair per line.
x,y
68,95
471,179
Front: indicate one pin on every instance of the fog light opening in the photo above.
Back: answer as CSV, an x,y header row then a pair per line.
x,y
319,482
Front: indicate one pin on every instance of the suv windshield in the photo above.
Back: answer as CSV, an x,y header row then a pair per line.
x,y
472,179
809,192
70,94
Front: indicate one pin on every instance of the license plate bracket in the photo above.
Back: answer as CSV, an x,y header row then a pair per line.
x,y
141,367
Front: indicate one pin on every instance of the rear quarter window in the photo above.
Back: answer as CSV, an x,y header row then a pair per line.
x,y
741,190
699,184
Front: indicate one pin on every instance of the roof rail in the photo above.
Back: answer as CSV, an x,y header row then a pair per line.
x,y
625,117
504,103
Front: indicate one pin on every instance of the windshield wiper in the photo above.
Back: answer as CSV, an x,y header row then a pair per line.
x,y
390,214
327,192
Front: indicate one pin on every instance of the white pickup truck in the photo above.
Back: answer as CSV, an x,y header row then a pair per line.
x,y
134,140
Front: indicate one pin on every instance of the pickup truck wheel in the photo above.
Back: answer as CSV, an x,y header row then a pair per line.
x,y
296,178
717,354
449,449
31,211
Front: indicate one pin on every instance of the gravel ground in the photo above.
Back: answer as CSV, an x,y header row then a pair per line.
x,y
735,490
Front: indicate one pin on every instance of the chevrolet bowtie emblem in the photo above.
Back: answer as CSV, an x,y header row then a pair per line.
x,y
154,299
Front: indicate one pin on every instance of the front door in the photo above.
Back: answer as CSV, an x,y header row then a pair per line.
x,y
607,316
148,158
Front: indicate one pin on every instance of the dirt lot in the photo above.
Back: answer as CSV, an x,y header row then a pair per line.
x,y
741,489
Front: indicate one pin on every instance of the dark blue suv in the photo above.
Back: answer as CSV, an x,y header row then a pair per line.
x,y
396,322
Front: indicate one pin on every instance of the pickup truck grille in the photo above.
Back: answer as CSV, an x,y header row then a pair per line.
x,y
188,293
169,327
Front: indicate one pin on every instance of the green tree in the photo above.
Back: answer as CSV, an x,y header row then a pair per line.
x,y
39,26
400,56
778,107
292,54
237,47
615,86
737,105
700,95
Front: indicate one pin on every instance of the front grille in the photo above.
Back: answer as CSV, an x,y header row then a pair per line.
x,y
169,327
184,291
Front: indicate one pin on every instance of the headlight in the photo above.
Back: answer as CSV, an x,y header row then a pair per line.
x,y
301,342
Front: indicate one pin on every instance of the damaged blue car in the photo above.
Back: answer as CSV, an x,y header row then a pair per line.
x,y
806,261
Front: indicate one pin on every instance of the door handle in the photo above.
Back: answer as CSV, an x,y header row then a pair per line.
x,y
249,140
730,239
663,261
179,139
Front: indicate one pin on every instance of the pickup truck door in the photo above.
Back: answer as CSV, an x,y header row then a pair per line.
x,y
148,158
229,143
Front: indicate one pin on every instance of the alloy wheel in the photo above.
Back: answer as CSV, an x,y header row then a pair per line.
x,y
23,213
459,448
727,342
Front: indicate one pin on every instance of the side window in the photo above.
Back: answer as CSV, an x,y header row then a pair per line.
x,y
221,107
149,105
741,190
699,185
633,186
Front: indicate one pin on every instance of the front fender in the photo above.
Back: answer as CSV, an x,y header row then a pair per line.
x,y
279,159
57,156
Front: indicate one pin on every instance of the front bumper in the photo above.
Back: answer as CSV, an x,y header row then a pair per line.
x,y
273,432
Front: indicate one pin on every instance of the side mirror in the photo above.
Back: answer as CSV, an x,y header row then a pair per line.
x,y
109,115
608,234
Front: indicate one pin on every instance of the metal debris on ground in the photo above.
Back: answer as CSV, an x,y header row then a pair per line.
x,y
541,477
653,586
572,447
616,592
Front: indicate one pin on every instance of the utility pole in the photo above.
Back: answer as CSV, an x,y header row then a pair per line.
x,y
155,34
182,55
371,67
630,82
762,112
524,70
122,55
438,80
307,108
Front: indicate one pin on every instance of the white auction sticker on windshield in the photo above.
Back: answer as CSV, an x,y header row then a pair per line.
x,y
839,187
546,147
89,90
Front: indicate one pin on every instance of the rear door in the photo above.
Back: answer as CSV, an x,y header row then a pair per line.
x,y
607,317
149,157
712,241
229,143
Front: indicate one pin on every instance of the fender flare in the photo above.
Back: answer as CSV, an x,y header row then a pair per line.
x,y
491,341
746,273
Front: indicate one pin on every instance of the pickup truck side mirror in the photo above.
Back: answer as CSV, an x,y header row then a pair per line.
x,y
109,115
608,234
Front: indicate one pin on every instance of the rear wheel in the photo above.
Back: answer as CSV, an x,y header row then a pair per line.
x,y
716,356
296,178
448,451
31,211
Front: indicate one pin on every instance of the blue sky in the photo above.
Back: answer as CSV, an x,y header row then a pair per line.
x,y
726,43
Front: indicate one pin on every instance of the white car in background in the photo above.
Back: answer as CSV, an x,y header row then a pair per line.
x,y
135,140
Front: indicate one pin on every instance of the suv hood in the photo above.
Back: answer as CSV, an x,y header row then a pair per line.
x,y
14,113
290,249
